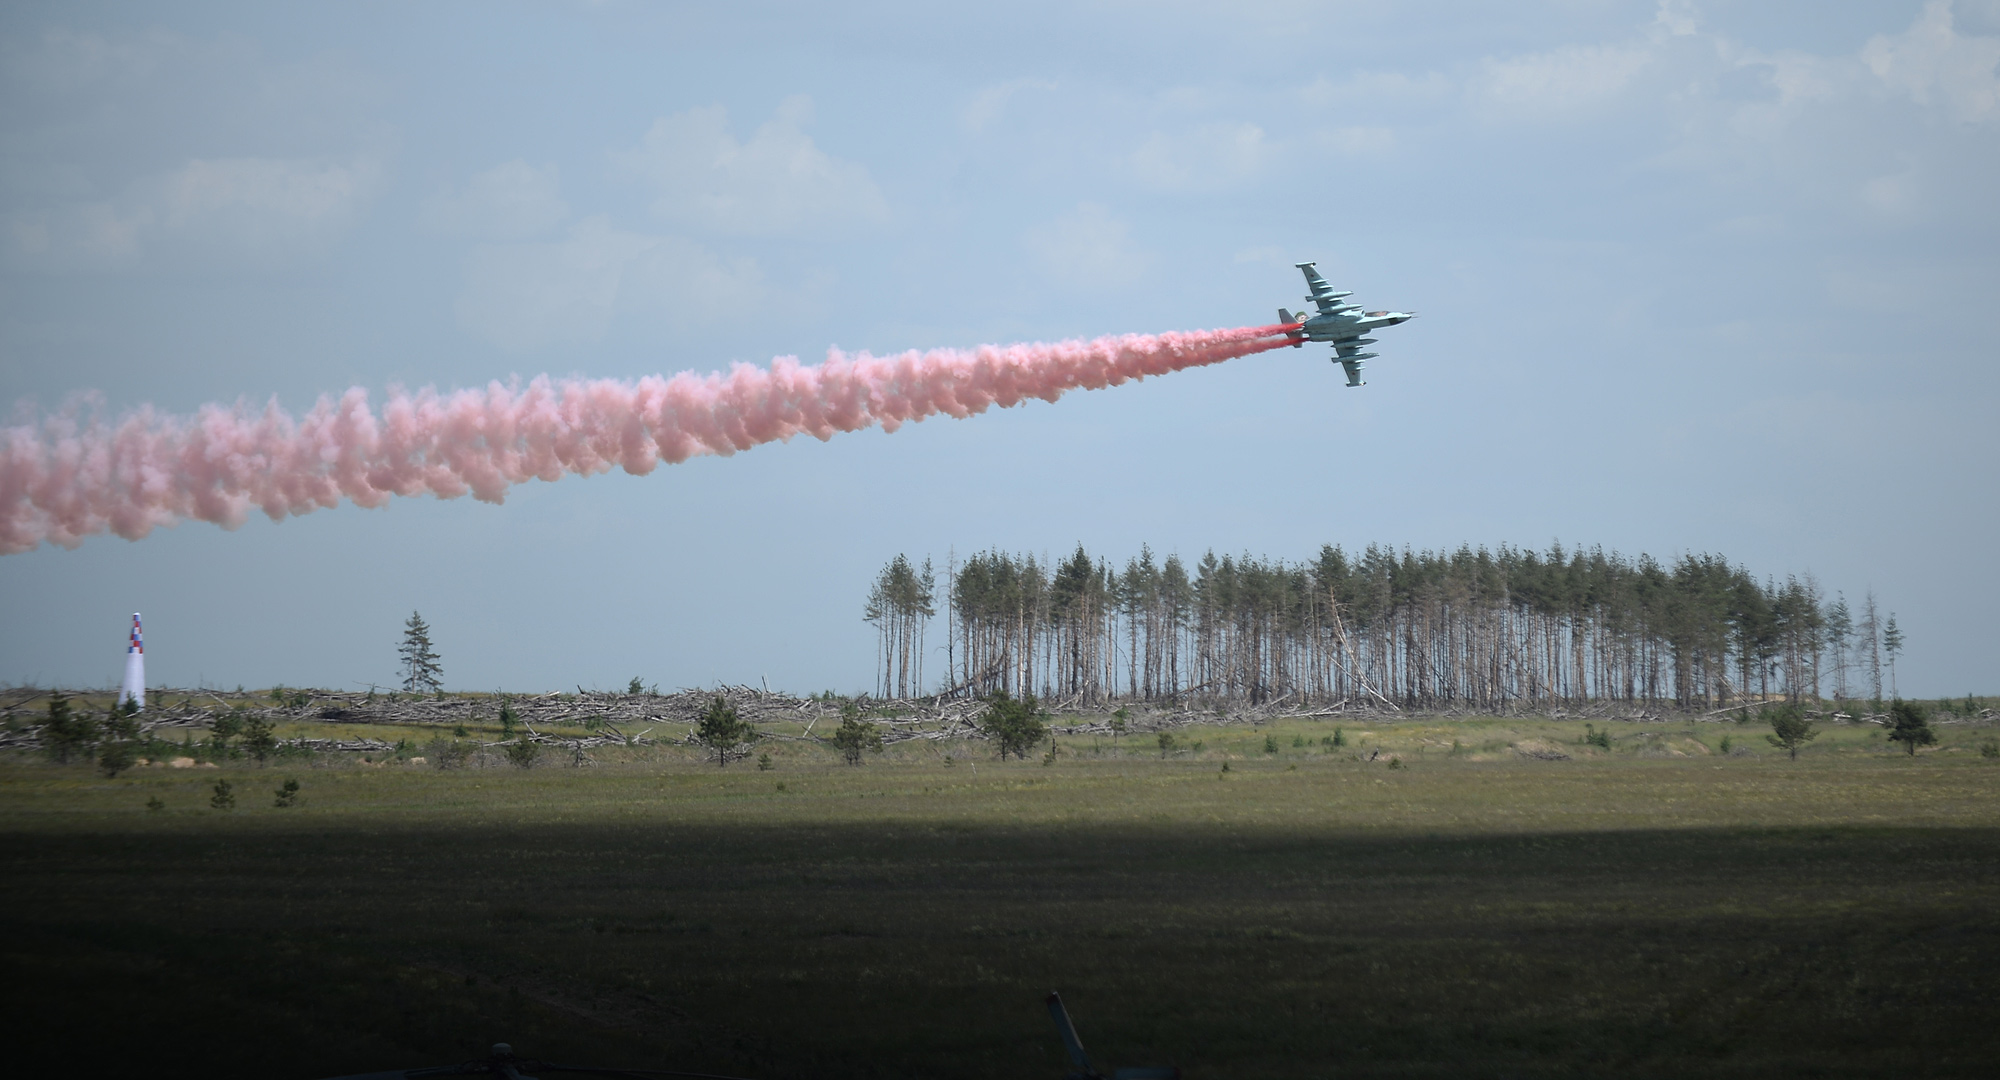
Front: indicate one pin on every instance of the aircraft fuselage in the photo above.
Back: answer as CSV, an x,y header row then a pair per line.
x,y
1339,327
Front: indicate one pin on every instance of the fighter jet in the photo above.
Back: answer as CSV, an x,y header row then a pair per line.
x,y
1341,323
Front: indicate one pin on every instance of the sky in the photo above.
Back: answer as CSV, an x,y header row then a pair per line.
x,y
1710,276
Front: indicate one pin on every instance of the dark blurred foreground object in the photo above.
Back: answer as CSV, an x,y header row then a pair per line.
x,y
502,1063
1081,1069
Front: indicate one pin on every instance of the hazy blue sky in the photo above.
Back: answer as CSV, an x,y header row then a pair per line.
x,y
1711,276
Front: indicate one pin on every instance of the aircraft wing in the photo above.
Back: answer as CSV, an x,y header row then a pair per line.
x,y
1352,358
1322,293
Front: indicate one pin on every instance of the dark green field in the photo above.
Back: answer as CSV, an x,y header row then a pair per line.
x,y
1301,915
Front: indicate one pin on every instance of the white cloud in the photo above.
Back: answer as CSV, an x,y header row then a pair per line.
x,y
511,201
1676,18
1895,195
1561,81
65,61
988,105
528,296
1373,142
248,205
1088,247
78,235
1376,90
1202,158
1933,61
265,200
778,182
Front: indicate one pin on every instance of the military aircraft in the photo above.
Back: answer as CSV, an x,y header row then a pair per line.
x,y
1343,324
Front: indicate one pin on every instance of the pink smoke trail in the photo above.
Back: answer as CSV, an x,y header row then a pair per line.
x,y
62,479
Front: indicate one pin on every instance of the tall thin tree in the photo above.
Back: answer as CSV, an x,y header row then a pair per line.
x,y
422,670
1892,643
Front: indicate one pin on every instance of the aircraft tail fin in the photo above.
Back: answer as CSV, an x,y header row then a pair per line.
x,y
1286,318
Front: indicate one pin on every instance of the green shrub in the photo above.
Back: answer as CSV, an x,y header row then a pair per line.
x,y
114,758
1270,744
764,762
1989,749
857,736
66,733
1910,726
1014,725
447,753
1789,728
524,752
258,740
224,797
123,722
223,728
721,731
287,793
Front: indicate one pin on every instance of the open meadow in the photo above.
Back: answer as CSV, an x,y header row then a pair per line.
x,y
1506,900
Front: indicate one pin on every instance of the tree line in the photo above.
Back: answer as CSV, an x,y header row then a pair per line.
x,y
1476,628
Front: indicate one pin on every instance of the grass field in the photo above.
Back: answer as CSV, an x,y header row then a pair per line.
x,y
1655,909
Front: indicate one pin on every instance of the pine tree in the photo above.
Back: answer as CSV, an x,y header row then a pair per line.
x,y
259,739
1870,645
67,733
856,736
1789,729
1839,627
1016,725
721,731
1911,726
1892,643
901,605
421,670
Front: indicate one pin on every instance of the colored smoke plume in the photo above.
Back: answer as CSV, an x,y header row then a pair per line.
x,y
63,477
